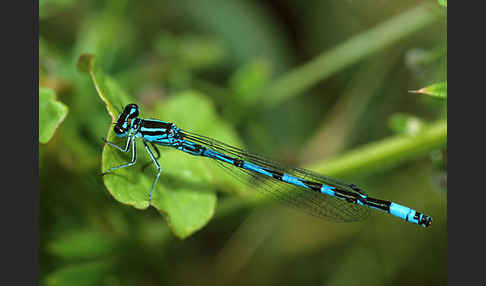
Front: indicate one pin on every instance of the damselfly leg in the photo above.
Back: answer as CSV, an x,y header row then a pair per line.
x,y
127,147
157,165
157,157
130,141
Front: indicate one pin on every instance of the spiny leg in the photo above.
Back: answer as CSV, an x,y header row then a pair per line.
x,y
134,155
127,147
158,156
159,170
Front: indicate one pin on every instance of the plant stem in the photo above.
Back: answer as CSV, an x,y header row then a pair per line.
x,y
386,153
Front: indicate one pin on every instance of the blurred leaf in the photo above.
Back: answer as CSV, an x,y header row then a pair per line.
x,y
190,52
49,8
438,90
249,81
185,191
106,34
417,59
239,25
51,114
82,244
443,2
183,55
82,274
406,123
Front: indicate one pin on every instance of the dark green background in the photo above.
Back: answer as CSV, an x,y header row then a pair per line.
x,y
304,82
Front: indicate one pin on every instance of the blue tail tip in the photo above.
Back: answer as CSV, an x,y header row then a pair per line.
x,y
426,221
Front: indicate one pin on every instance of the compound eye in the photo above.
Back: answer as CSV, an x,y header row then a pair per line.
x,y
118,130
133,110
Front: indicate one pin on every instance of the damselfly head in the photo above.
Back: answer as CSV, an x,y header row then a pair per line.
x,y
132,110
123,123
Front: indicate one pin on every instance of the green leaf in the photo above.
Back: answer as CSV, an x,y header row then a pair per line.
x,y
82,245
438,90
51,114
82,274
185,192
109,91
207,123
443,2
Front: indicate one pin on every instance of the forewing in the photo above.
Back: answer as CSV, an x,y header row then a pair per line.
x,y
316,204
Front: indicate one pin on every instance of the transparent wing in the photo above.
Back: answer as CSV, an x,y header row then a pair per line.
x,y
313,203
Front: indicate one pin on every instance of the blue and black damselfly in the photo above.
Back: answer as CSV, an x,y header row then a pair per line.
x,y
316,194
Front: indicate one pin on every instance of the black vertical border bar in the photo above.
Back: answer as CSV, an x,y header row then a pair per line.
x,y
35,112
465,144
19,193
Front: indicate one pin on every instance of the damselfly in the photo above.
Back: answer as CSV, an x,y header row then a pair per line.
x,y
318,195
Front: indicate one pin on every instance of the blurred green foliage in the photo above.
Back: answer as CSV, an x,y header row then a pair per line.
x,y
320,84
51,114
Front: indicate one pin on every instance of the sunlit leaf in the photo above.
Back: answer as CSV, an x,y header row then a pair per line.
x,y
185,191
193,112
